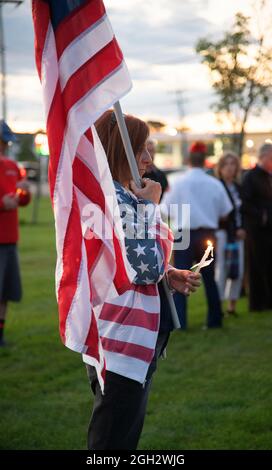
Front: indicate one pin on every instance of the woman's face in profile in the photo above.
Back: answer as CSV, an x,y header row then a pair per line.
x,y
144,160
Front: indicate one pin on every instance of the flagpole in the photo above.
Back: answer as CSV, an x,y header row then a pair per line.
x,y
137,179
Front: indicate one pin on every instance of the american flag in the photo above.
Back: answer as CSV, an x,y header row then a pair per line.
x,y
82,72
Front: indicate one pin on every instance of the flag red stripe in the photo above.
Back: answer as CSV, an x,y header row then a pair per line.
x,y
91,73
130,316
128,349
41,17
86,182
149,289
121,280
71,264
93,246
92,339
55,135
80,19
89,136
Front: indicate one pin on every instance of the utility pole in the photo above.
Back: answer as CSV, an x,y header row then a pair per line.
x,y
181,111
2,56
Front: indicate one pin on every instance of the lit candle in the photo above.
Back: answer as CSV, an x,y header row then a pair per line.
x,y
204,261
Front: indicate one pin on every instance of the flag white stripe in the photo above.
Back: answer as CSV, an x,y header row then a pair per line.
x,y
128,366
85,46
129,334
49,73
79,317
49,80
134,299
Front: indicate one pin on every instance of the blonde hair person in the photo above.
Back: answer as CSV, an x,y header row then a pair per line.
x,y
230,232
232,159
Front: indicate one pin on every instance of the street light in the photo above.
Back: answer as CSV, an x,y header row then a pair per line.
x,y
2,54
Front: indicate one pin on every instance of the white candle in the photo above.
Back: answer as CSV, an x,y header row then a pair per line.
x,y
203,262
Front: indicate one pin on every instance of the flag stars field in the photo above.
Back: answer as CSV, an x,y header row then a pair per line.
x,y
140,250
143,267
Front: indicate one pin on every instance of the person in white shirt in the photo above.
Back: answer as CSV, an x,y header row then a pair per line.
x,y
209,203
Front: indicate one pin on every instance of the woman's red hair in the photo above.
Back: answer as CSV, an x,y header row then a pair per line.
x,y
108,132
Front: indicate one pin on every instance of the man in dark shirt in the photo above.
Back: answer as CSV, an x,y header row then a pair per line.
x,y
257,200
153,172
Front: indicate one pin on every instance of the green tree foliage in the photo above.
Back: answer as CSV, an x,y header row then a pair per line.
x,y
241,72
25,148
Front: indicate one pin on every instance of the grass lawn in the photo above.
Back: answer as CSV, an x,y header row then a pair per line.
x,y
212,392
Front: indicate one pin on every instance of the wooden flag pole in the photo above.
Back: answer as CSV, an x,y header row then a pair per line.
x,y
137,179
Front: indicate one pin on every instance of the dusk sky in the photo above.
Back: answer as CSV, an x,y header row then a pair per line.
x,y
157,38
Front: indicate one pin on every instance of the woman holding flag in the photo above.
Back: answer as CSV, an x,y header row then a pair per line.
x,y
83,72
134,328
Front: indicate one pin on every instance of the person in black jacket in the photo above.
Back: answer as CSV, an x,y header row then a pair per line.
x,y
230,236
153,172
257,203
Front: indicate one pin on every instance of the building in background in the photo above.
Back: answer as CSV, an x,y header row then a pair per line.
x,y
170,145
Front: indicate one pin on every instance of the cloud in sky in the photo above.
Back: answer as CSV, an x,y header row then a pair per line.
x,y
157,38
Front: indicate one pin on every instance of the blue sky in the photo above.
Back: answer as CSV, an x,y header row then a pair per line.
x,y
157,38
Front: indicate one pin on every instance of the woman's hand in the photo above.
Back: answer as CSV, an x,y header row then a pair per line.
x,y
240,234
183,280
151,190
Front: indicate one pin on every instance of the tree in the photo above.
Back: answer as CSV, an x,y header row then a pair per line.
x,y
241,71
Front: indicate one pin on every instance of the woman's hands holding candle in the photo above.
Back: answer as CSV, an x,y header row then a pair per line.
x,y
183,280
204,260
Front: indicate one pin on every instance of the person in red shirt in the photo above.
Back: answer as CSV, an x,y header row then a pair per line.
x,y
14,191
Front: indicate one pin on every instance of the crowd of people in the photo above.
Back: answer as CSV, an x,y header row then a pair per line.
x,y
234,211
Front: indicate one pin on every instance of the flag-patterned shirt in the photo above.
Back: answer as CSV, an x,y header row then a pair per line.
x,y
129,324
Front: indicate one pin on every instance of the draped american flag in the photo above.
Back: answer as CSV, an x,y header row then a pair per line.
x,y
83,73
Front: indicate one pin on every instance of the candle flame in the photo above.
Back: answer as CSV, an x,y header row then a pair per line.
x,y
209,243
20,191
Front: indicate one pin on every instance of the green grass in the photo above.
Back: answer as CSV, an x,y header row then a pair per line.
x,y
212,392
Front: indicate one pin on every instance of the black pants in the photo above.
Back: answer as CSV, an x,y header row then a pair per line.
x,y
259,260
118,415
10,280
184,259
